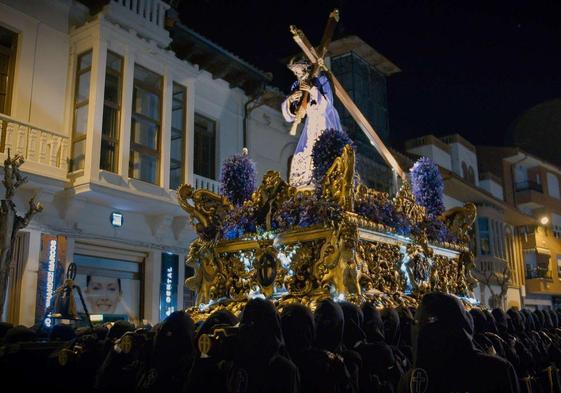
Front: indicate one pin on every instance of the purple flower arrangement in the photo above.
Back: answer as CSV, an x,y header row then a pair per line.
x,y
327,148
237,178
303,210
427,186
306,209
380,209
238,222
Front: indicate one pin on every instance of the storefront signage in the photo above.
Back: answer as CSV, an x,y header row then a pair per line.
x,y
51,270
168,286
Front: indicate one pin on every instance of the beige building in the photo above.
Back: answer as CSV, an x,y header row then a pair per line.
x,y
532,185
112,109
498,245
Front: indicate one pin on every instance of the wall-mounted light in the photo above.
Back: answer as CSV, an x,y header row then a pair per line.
x,y
117,219
544,220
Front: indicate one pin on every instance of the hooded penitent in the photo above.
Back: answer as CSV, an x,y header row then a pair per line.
x,y
320,370
353,335
298,329
373,326
172,355
259,365
445,358
208,373
329,321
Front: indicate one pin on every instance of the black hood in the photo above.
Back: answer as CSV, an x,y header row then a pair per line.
x,y
352,328
373,325
548,323
443,331
528,320
220,317
329,321
480,324
19,333
501,320
539,320
174,339
554,318
491,324
517,320
298,328
260,330
391,326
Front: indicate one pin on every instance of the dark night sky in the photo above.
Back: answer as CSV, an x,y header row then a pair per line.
x,y
468,67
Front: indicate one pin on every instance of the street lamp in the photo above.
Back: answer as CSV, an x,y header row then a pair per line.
x,y
544,220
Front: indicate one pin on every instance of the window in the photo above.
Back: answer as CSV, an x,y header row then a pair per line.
x,y
464,171
471,175
144,161
484,236
205,147
177,145
81,104
553,185
537,264
559,267
111,113
8,45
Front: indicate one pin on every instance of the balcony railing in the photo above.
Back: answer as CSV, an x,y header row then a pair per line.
x,y
146,17
537,272
528,185
207,184
36,145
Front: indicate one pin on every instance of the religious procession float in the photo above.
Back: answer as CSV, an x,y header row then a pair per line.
x,y
323,233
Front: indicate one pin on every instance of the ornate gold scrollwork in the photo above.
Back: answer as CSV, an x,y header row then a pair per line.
x,y
272,192
383,262
210,279
205,208
302,281
405,203
337,265
338,182
460,220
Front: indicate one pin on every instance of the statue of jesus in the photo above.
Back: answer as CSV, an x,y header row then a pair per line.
x,y
320,116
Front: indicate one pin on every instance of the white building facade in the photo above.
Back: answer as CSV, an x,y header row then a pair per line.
x,y
110,121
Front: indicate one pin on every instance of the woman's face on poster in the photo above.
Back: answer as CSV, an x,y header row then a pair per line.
x,y
103,294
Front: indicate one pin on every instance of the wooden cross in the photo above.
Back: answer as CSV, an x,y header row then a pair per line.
x,y
316,57
317,67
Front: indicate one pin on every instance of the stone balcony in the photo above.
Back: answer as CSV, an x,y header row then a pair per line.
x,y
45,152
145,17
491,270
200,182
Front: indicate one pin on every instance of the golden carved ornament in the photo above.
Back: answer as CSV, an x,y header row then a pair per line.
x,y
405,203
206,209
337,264
338,182
209,280
267,267
460,220
272,192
